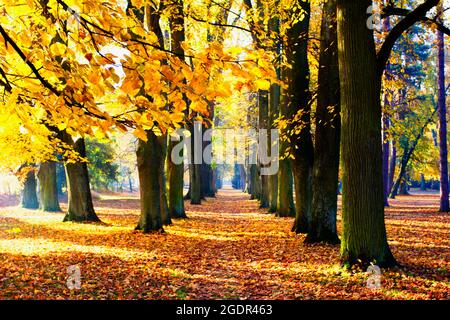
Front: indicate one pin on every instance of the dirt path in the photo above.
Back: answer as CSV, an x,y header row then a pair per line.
x,y
228,248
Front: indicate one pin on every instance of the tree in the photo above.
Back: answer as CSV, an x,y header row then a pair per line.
x,y
176,171
442,111
48,190
298,100
80,206
327,135
364,237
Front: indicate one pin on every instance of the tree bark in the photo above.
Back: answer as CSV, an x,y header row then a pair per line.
x,y
286,206
327,135
274,113
165,214
442,111
29,194
176,185
392,165
298,101
194,170
176,171
364,239
263,105
48,189
81,207
385,145
149,161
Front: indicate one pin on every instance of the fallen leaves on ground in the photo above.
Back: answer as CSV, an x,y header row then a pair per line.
x,y
227,249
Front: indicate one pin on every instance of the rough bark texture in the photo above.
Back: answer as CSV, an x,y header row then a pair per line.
x,y
327,136
175,172
442,110
286,206
48,189
298,101
194,172
386,156
274,111
165,215
263,105
386,127
29,194
149,161
364,239
81,208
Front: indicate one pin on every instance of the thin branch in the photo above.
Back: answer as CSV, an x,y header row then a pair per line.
x,y
220,24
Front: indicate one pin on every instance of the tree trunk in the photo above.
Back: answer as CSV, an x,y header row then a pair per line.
x,y
392,166
176,185
442,110
364,239
255,183
165,215
81,208
386,156
298,101
286,206
48,189
263,105
327,136
195,168
29,195
274,113
149,161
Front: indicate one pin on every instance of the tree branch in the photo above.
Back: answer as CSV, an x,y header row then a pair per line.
x,y
392,11
408,21
28,62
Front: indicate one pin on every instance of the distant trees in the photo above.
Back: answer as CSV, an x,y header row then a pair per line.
x,y
102,168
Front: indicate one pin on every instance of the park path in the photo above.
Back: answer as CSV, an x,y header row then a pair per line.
x,y
227,249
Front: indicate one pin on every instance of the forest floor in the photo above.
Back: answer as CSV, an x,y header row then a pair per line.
x,y
227,249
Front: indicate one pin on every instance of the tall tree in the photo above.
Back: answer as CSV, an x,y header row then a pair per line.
x,y
175,172
152,151
274,111
361,69
149,160
81,207
364,237
263,107
327,135
298,99
442,111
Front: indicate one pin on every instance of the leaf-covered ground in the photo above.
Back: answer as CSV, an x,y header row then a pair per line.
x,y
227,249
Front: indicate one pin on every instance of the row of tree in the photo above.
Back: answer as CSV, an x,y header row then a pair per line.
x,y
158,79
